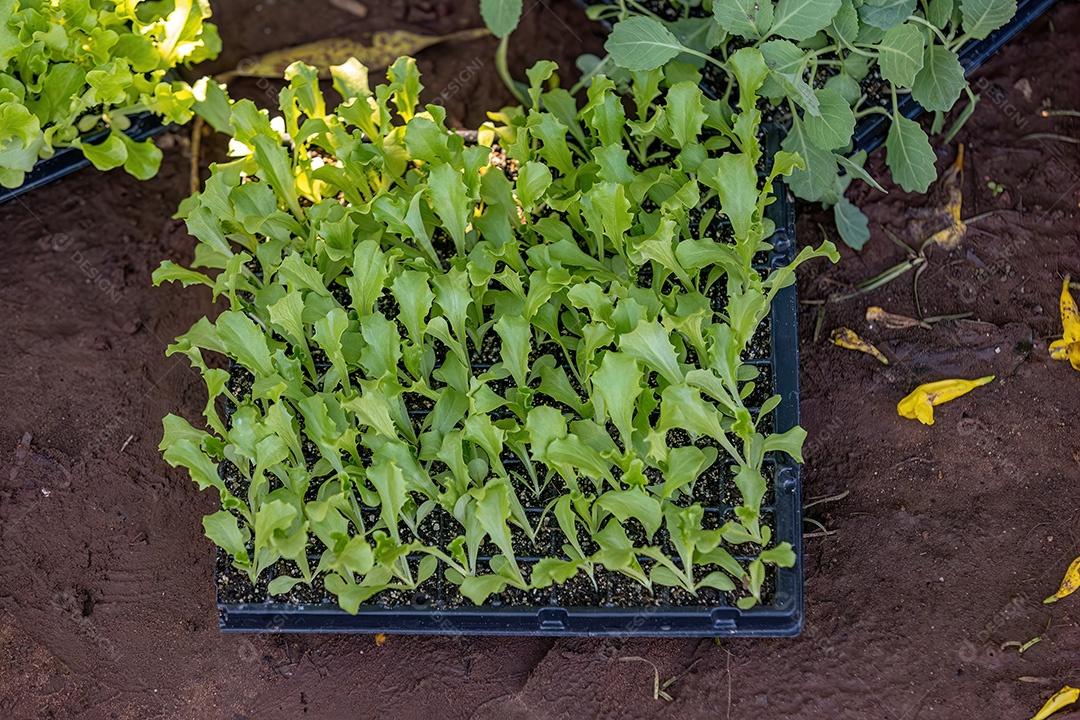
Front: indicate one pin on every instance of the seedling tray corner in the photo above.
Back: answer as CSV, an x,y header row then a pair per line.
x,y
67,160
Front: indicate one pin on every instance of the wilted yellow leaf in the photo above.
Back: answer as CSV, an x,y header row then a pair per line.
x,y
380,639
953,181
1068,348
919,405
878,316
1069,584
383,50
950,237
1062,698
847,339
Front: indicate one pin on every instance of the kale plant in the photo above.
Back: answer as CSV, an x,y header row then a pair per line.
x,y
823,58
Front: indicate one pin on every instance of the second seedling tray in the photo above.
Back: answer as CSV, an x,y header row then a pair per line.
x,y
69,159
871,131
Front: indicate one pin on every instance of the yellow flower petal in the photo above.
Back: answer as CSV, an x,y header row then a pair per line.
x,y
1069,584
919,404
925,413
1062,698
917,407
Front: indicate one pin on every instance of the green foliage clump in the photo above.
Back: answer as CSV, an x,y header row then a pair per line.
x,y
555,314
824,59
71,67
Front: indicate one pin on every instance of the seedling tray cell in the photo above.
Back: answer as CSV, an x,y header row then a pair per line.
x,y
67,160
576,608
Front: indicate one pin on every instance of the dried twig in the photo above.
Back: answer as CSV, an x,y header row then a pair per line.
x,y
825,499
358,9
1052,136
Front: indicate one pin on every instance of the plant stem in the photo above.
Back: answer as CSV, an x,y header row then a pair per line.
x,y
872,110
1052,136
857,49
958,42
942,318
988,213
709,58
824,51
504,70
589,75
645,11
937,31
129,110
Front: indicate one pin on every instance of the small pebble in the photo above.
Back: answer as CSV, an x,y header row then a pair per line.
x,y
1023,85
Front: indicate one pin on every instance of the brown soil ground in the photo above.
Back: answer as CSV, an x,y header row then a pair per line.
x,y
941,551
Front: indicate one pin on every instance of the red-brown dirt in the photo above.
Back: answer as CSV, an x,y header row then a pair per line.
x,y
942,550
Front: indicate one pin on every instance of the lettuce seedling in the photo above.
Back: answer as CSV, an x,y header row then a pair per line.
x,y
455,331
69,68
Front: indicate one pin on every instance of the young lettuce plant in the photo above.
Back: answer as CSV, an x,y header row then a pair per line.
x,y
437,328
823,56
70,67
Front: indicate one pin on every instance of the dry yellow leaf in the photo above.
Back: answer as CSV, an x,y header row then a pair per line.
x,y
950,237
380,639
849,340
1062,698
919,404
1069,584
381,52
953,180
878,316
1068,347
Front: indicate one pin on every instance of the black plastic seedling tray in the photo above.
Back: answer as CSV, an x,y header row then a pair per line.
x,y
780,615
871,131
67,160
